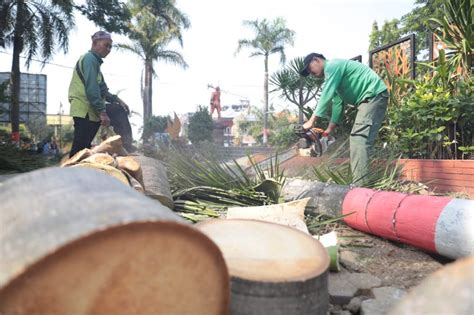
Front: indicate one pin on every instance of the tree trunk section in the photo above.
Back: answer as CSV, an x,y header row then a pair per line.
x,y
77,242
155,180
147,95
15,75
274,269
265,105
325,199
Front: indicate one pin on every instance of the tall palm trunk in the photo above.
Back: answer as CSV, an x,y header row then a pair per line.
x,y
265,100
15,75
148,91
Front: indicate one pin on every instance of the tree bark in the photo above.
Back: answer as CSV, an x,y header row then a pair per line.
x,y
148,91
265,101
15,75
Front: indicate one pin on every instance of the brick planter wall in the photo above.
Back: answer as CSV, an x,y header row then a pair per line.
x,y
443,175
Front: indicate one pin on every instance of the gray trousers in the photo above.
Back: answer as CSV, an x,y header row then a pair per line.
x,y
369,118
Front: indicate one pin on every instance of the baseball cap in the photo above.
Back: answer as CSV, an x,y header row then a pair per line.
x,y
101,35
307,60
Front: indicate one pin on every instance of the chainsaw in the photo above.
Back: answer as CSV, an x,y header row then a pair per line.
x,y
312,138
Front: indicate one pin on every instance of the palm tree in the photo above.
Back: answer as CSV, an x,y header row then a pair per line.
x,y
270,37
295,88
34,27
155,24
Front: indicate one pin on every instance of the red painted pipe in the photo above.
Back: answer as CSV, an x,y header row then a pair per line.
x,y
437,224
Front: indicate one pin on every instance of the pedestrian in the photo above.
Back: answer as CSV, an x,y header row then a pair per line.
x,y
89,95
349,82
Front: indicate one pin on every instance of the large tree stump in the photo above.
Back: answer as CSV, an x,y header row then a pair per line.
x,y
75,241
274,269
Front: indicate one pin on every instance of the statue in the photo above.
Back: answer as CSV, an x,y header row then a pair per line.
x,y
216,102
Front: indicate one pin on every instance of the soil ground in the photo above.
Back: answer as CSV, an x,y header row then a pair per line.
x,y
396,264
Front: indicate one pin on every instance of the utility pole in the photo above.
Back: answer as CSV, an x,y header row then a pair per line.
x,y
60,126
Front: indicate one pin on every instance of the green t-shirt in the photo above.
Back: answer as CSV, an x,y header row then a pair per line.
x,y
349,82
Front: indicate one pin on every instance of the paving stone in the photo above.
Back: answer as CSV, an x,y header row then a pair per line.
x,y
354,305
341,291
350,260
343,286
364,281
385,299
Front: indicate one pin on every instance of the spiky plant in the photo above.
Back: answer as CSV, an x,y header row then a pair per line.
x,y
203,186
385,173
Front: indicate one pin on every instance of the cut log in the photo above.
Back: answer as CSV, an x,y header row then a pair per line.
x,y
76,158
131,166
155,180
109,170
274,269
135,184
101,158
290,214
449,290
112,145
74,241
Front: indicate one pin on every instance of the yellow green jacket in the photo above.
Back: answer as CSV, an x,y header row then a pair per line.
x,y
85,95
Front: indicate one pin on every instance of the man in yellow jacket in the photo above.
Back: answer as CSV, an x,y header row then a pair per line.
x,y
88,94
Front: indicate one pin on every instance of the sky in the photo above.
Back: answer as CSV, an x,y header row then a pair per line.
x,y
335,28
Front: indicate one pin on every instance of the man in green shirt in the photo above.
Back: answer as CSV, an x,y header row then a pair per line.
x,y
350,82
88,94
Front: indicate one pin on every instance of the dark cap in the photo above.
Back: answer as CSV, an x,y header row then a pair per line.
x,y
307,60
101,35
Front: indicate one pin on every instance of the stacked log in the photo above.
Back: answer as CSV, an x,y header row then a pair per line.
x,y
111,158
75,241
155,180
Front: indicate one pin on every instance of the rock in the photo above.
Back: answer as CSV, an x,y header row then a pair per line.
x,y
354,305
385,299
350,260
343,286
340,290
364,281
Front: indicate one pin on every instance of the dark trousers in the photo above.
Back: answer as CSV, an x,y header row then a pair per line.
x,y
84,132
119,120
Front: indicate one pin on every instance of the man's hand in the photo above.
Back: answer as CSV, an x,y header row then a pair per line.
x,y
104,119
310,123
329,129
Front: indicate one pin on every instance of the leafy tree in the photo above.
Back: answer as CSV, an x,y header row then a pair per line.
x,y
270,37
200,126
155,124
111,15
416,21
35,27
280,124
154,25
295,88
390,32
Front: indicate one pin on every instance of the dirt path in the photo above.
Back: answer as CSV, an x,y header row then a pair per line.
x,y
396,264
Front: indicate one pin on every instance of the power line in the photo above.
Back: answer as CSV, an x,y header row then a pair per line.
x,y
53,64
